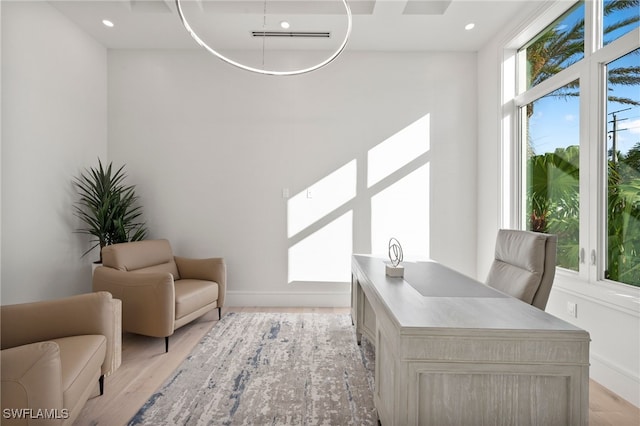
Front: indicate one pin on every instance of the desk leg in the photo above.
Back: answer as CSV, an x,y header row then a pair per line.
x,y
355,289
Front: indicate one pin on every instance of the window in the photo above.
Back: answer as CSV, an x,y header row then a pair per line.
x,y
557,47
623,171
552,169
619,18
578,102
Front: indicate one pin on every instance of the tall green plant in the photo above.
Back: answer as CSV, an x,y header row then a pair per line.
x,y
108,207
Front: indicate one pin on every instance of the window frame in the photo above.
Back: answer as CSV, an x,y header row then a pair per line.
x,y
598,131
591,73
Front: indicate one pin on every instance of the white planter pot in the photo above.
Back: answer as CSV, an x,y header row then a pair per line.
x,y
94,265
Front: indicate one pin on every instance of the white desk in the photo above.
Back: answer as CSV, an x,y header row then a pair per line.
x,y
452,351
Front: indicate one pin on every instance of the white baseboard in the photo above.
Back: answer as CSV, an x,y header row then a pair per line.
x,y
622,383
604,308
288,299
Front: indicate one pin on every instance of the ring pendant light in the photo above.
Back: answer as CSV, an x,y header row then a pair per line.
x,y
319,65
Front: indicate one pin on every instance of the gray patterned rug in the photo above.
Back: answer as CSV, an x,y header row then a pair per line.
x,y
270,369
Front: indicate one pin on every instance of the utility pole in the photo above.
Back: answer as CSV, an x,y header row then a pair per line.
x,y
614,136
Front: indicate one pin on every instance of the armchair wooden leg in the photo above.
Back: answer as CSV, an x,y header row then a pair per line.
x,y
219,313
101,383
166,344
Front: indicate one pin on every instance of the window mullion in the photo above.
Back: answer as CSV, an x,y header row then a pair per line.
x,y
591,188
591,195
509,152
593,20
598,220
563,78
618,47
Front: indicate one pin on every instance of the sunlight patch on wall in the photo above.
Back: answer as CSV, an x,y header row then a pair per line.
x,y
402,211
398,150
324,256
321,198
320,218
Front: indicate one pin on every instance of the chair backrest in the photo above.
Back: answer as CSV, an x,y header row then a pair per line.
x,y
141,256
524,265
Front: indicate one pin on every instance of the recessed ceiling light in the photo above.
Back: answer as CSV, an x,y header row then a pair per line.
x,y
107,23
285,25
469,26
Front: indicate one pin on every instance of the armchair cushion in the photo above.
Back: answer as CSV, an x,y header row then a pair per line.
x,y
141,256
192,295
31,377
81,357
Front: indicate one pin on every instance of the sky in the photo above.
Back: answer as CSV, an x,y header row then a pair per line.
x,y
555,120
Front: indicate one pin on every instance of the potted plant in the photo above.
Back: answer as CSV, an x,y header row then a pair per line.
x,y
108,207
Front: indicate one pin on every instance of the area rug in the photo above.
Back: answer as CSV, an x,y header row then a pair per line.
x,y
269,369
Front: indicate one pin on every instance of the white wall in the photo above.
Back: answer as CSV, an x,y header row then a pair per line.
x,y
211,148
612,318
488,160
609,312
54,114
1,132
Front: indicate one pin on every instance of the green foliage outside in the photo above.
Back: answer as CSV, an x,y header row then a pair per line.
x,y
623,212
553,203
553,200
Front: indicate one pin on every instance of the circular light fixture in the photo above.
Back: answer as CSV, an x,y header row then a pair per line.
x,y
285,25
107,23
319,65
469,26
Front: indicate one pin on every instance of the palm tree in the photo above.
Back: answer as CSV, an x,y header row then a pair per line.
x,y
558,47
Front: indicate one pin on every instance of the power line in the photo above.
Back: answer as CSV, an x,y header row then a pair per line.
x,y
614,134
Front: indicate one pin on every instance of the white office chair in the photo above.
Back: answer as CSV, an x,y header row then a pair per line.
x,y
524,265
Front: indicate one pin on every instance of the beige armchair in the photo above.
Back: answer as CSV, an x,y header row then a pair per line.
x,y
55,355
160,292
524,265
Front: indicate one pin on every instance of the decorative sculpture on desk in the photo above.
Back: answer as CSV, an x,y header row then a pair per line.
x,y
396,257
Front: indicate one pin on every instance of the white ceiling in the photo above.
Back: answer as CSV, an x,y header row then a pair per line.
x,y
383,25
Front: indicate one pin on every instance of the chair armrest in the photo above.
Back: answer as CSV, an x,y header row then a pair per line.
x,y
31,378
83,314
26,323
213,269
115,354
148,299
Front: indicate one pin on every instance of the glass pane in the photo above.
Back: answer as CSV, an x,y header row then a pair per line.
x,y
623,157
557,47
552,130
620,17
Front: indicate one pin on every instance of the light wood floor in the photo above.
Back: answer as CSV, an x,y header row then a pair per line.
x,y
145,366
